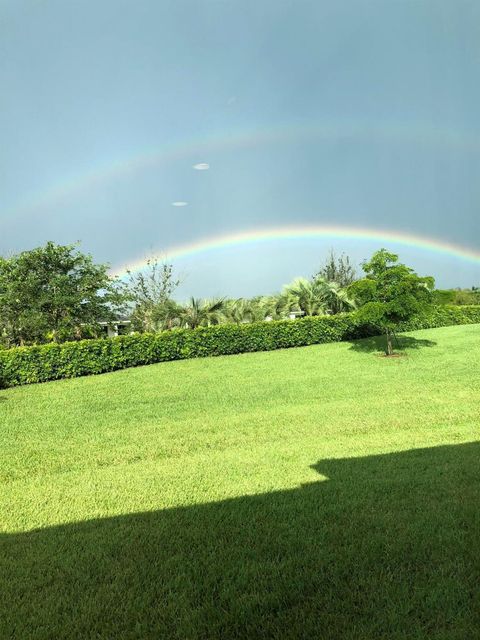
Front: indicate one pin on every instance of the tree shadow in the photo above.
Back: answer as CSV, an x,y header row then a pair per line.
x,y
382,547
401,343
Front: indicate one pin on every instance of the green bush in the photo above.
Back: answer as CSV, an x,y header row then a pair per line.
x,y
25,365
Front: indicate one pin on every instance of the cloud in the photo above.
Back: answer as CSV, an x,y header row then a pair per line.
x,y
201,166
179,203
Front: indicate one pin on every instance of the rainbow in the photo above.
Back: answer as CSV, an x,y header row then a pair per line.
x,y
197,148
309,232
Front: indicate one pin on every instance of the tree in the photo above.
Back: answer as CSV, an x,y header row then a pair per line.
x,y
166,315
202,313
55,293
307,296
151,291
337,269
337,298
317,297
255,309
239,310
390,293
273,307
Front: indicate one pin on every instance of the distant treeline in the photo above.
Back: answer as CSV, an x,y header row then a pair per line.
x,y
56,293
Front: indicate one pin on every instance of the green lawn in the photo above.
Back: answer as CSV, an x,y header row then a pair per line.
x,y
323,493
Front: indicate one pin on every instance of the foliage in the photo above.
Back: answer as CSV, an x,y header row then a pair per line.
x,y
240,310
274,307
54,293
201,313
24,365
164,316
337,298
316,297
307,296
390,293
444,296
337,269
465,296
256,309
151,291
456,296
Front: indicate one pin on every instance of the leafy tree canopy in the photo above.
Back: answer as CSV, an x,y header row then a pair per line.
x,y
55,293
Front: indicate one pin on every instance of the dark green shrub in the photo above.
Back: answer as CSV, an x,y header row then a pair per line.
x,y
25,365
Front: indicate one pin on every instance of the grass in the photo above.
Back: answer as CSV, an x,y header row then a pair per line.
x,y
322,493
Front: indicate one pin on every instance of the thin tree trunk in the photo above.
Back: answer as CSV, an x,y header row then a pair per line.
x,y
389,350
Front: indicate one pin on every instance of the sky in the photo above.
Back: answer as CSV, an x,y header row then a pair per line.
x,y
138,127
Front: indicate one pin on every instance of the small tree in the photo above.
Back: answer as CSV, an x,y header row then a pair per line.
x,y
151,290
390,293
337,269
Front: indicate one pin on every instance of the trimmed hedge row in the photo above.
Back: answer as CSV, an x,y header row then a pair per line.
x,y
444,316
26,365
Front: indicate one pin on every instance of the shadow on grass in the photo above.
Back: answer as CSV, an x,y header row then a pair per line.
x,y
383,547
400,344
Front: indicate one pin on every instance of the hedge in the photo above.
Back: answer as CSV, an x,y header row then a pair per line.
x,y
26,365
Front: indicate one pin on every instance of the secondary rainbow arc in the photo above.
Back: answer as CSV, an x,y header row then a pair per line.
x,y
422,133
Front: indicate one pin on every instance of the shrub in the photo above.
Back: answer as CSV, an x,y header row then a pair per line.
x,y
25,365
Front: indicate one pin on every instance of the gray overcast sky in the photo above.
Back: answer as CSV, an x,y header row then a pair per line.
x,y
360,113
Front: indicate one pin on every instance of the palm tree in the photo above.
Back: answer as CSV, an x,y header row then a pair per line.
x,y
317,297
255,309
275,307
202,313
308,296
238,310
166,315
338,299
